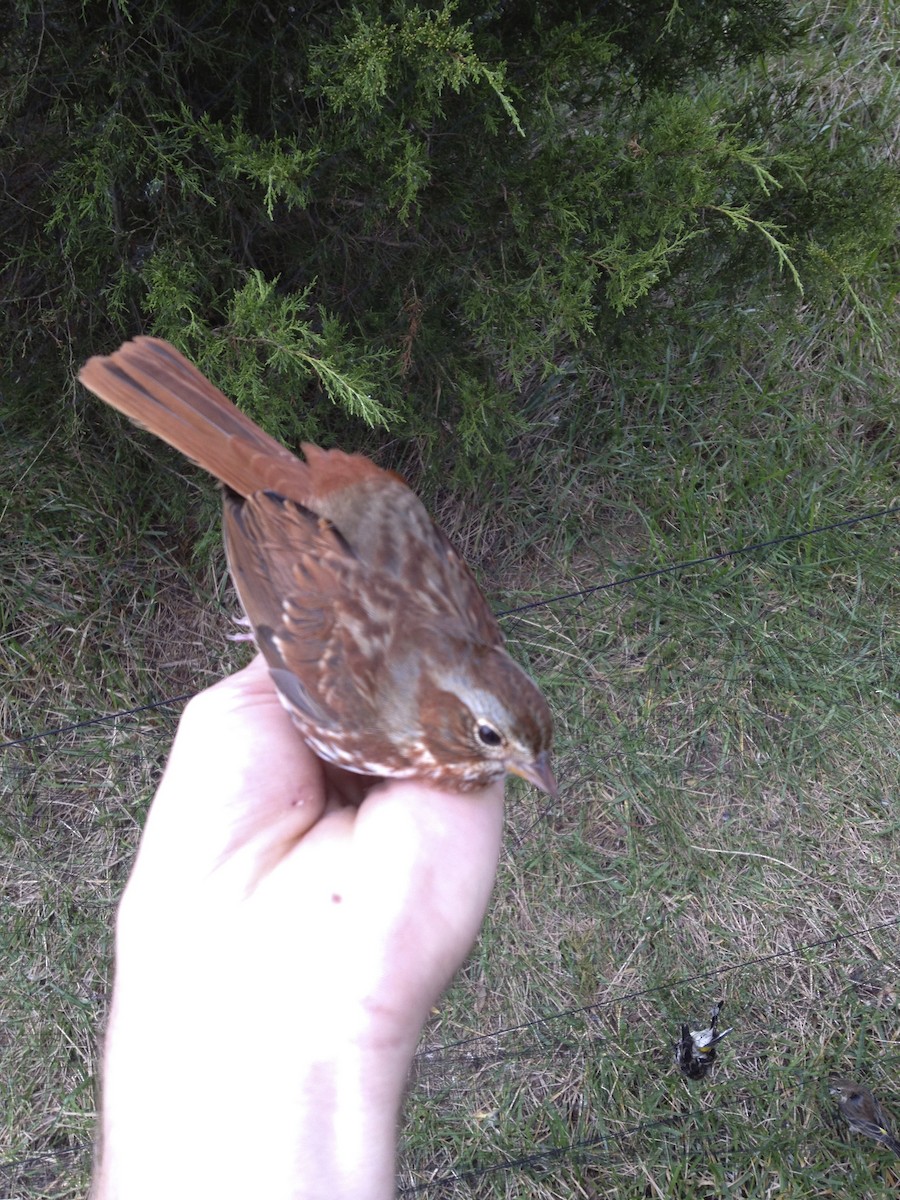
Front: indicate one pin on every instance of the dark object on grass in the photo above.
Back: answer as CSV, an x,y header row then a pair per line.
x,y
863,1113
695,1051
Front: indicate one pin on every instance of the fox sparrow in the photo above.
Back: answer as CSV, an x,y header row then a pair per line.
x,y
377,637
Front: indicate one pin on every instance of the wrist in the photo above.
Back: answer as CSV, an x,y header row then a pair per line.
x,y
232,1113
229,1070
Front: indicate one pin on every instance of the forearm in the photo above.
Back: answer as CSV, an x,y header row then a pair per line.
x,y
277,952
235,1067
228,1115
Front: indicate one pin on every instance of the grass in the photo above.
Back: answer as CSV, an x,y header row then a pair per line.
x,y
727,745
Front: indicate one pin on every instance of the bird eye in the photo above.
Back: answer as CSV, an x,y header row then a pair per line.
x,y
488,734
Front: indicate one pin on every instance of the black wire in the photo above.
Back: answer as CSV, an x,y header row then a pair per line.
x,y
579,593
552,1154
575,1152
128,712
41,1159
696,562
578,1152
792,952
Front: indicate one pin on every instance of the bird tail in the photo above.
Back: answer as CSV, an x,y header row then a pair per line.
x,y
156,386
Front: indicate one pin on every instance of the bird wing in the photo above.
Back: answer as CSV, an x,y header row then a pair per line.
x,y
389,530
325,622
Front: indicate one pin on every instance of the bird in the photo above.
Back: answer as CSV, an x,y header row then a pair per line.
x,y
695,1050
862,1112
380,643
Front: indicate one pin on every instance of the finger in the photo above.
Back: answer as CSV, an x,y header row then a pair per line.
x,y
239,776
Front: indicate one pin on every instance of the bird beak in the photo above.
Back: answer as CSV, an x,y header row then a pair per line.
x,y
539,772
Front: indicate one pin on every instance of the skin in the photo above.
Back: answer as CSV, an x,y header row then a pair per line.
x,y
277,953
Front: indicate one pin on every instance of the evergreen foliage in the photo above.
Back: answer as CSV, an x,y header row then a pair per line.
x,y
417,213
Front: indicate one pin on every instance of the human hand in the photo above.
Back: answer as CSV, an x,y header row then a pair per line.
x,y
277,953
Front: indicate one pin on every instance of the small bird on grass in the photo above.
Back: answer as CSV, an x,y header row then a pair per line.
x,y
695,1051
862,1112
